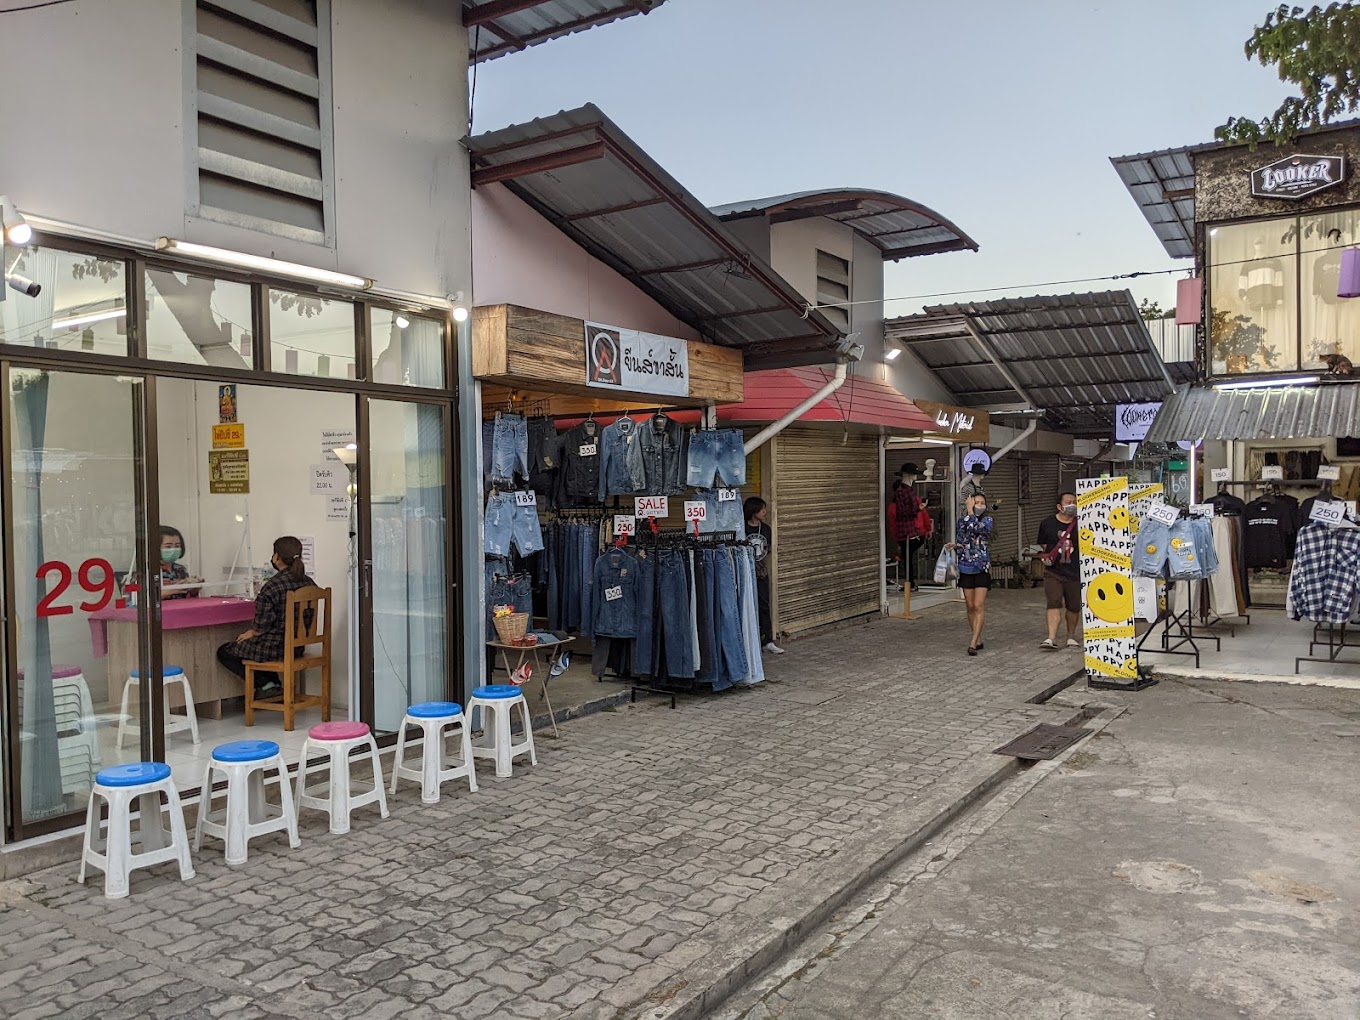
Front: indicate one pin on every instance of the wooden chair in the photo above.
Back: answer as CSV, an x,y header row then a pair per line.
x,y
306,604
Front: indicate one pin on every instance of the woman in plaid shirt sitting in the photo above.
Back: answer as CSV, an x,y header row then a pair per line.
x,y
265,640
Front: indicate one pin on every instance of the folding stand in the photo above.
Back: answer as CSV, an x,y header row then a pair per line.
x,y
1184,624
1336,641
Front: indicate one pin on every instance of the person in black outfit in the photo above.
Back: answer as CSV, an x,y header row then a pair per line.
x,y
265,640
756,510
1062,571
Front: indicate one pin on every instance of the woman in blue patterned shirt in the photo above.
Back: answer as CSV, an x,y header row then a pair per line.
x,y
971,535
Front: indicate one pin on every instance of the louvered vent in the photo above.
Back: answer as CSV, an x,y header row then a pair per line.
x,y
264,116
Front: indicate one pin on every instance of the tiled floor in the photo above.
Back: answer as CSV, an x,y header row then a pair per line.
x,y
1267,646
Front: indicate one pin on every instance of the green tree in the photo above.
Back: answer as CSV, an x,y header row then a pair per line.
x,y
1151,310
1316,49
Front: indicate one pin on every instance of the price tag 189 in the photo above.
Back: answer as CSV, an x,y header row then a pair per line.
x,y
1328,511
696,510
529,498
1272,473
1163,513
625,525
728,495
1329,473
1221,474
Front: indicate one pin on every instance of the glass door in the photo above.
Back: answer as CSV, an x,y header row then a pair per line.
x,y
79,624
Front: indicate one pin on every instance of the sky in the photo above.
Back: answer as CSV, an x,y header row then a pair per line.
x,y
999,115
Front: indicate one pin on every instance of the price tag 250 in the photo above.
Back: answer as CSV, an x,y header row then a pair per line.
x,y
1328,511
1201,509
625,525
696,510
1163,513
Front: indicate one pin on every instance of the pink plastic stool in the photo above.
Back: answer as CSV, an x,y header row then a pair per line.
x,y
335,797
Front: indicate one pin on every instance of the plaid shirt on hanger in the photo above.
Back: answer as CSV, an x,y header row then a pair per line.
x,y
1326,577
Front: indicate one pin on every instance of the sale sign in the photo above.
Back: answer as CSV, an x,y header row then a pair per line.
x,y
651,506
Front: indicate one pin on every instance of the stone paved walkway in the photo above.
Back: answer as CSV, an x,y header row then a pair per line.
x,y
649,855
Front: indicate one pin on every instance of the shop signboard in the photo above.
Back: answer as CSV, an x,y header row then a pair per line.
x,y
628,359
1132,421
1299,176
965,424
229,472
231,436
976,457
1107,581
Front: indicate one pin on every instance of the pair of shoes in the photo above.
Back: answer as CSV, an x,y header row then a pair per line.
x,y
981,645
1048,645
915,588
972,649
562,664
1073,643
268,689
773,648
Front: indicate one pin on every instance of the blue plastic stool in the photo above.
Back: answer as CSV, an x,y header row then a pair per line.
x,y
113,853
247,813
496,742
435,719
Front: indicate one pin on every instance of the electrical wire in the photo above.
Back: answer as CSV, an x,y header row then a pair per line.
x,y
34,7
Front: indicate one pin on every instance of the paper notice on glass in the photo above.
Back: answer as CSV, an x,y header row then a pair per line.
x,y
229,472
331,439
309,553
337,508
329,479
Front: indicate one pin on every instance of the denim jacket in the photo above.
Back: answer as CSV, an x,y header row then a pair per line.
x,y
621,471
614,595
663,455
579,476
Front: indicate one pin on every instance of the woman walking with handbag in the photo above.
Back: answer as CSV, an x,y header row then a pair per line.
x,y
971,535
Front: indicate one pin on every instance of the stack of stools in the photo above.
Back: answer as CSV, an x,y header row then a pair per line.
x,y
113,853
171,675
337,739
247,813
496,741
435,767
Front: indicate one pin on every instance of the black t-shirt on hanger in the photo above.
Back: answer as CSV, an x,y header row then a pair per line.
x,y
1269,526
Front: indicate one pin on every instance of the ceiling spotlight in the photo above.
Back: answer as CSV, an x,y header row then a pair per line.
x,y
22,283
16,228
892,353
460,310
402,322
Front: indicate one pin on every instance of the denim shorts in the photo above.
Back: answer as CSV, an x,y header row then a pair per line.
x,y
506,523
716,451
722,515
510,447
1150,548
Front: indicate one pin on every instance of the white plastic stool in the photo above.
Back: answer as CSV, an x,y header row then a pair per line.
x,y
496,742
173,723
337,739
435,767
113,854
247,813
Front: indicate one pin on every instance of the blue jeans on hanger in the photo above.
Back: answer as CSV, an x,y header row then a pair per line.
x,y
716,451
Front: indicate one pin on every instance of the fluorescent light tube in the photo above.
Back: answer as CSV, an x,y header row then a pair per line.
x,y
262,264
85,320
1267,384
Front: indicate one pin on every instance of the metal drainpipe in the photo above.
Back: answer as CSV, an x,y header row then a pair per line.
x,y
776,427
1029,431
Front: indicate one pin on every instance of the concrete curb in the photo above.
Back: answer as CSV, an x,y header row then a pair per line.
x,y
707,983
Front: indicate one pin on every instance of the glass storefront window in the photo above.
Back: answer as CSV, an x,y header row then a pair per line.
x,y
82,304
1253,286
75,525
1330,324
407,350
197,320
310,335
407,457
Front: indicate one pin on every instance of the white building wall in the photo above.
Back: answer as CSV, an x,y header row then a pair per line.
x,y
95,136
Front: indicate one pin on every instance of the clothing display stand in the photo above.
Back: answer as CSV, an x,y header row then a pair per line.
x,y
1183,623
1335,642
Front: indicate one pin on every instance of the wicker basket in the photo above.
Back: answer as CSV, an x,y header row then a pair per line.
x,y
511,628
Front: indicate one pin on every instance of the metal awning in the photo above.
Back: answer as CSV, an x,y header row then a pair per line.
x,y
1073,356
862,400
579,171
1163,185
496,27
1292,412
896,226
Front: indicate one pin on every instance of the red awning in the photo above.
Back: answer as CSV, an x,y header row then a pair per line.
x,y
861,400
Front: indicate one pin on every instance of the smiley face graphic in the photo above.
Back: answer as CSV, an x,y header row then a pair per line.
x,y
1119,518
1087,538
1110,597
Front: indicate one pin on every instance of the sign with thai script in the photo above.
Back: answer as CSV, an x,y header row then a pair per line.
x,y
329,479
651,506
966,424
1132,421
625,525
231,436
696,510
1296,177
229,472
628,359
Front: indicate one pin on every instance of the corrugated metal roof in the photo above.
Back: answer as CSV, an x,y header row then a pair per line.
x,y
861,400
1163,185
1293,412
598,187
1073,356
497,27
897,226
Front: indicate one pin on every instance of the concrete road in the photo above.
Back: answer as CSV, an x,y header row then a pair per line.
x,y
1194,861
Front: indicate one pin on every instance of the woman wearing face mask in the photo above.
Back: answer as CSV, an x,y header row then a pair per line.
x,y
265,640
173,570
971,535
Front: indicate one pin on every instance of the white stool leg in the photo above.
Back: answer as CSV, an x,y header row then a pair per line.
x,y
189,707
91,833
528,730
339,787
123,710
401,754
118,848
431,760
238,813
204,807
301,778
503,738
377,775
177,833
465,743
286,802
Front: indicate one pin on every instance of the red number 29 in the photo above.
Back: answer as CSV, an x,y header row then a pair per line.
x,y
45,606
103,588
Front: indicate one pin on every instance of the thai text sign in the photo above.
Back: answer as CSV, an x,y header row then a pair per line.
x,y
627,359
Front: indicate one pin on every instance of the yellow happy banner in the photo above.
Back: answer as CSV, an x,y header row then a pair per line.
x,y
1100,492
1114,559
1100,633
1124,672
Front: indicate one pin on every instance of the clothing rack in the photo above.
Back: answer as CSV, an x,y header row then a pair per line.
x,y
1183,623
1335,643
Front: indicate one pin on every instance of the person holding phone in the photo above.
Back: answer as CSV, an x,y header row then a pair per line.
x,y
971,536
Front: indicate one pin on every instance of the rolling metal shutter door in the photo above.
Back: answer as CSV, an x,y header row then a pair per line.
x,y
828,507
1045,486
1002,484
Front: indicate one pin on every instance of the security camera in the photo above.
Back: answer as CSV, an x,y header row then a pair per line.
x,y
848,348
23,285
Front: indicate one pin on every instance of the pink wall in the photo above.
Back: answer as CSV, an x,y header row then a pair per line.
x,y
519,258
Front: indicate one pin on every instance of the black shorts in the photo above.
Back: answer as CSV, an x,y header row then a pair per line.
x,y
1062,591
980,580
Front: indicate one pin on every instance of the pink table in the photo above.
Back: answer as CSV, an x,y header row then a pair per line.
x,y
192,630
